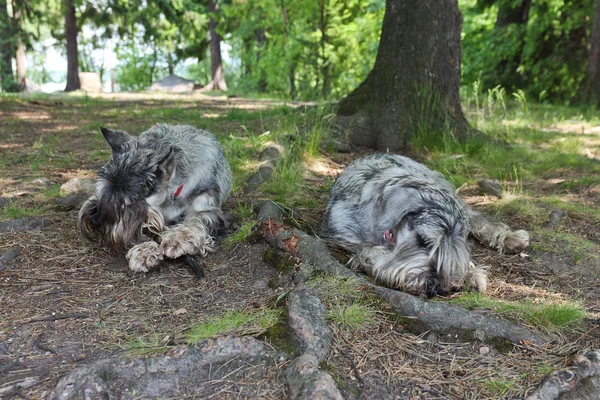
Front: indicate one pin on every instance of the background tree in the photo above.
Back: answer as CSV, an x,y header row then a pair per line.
x,y
7,45
589,90
416,78
72,52
216,62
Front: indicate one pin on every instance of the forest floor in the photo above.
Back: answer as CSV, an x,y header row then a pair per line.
x,y
65,302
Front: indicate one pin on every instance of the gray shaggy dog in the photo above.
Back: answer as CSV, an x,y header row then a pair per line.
x,y
160,195
406,226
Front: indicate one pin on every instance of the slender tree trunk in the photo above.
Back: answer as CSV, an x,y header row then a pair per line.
x,y
324,40
292,66
72,58
589,89
216,63
261,41
414,84
7,78
20,48
170,62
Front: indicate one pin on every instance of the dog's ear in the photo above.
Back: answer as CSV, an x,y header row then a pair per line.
x,y
115,138
166,167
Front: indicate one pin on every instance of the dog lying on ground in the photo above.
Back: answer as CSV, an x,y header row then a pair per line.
x,y
406,226
160,195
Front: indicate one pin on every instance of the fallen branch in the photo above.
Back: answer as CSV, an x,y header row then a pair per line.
x,y
434,316
56,317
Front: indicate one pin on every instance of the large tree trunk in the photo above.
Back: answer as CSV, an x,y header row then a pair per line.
x,y
414,84
20,48
7,78
589,90
72,58
216,63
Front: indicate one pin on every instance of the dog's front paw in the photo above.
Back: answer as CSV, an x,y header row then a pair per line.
x,y
515,242
144,256
179,241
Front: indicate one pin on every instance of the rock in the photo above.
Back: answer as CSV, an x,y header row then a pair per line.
x,y
4,348
491,187
9,255
184,372
72,201
484,350
90,82
556,218
76,185
23,224
172,83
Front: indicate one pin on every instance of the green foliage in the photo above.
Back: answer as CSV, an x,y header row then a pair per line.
x,y
544,53
310,50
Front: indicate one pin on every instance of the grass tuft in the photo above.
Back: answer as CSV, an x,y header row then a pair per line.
x,y
245,321
240,235
549,317
15,211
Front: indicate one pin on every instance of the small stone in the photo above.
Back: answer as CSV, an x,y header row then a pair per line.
x,y
4,348
9,255
484,350
76,185
71,201
491,187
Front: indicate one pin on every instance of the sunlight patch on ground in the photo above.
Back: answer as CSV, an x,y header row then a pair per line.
x,y
320,166
11,145
25,115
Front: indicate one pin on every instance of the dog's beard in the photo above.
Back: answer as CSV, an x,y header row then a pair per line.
x,y
120,227
437,266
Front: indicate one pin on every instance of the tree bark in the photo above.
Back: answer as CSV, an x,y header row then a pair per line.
x,y
415,82
292,67
7,78
513,15
261,42
326,88
20,48
72,57
216,63
589,89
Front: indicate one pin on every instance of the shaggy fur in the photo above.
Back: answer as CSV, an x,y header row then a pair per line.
x,y
407,227
167,185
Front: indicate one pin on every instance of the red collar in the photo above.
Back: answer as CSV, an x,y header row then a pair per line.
x,y
178,191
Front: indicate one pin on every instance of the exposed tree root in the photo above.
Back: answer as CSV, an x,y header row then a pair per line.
x,y
581,381
268,158
434,316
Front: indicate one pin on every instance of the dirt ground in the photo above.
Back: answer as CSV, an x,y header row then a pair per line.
x,y
65,302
